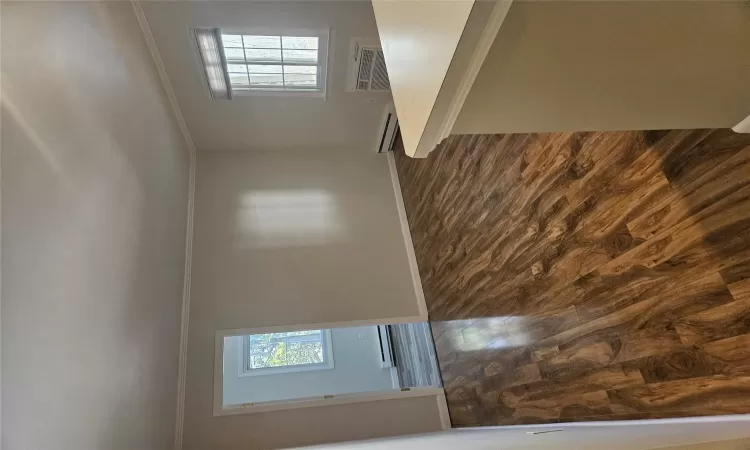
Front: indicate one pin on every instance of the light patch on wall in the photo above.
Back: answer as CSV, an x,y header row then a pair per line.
x,y
293,218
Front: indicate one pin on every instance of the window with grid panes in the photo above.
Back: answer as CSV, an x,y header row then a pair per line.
x,y
274,63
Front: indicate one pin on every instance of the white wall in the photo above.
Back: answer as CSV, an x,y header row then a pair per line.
x,y
285,238
342,121
357,368
94,198
622,65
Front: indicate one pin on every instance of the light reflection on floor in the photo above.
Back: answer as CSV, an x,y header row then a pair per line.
x,y
468,335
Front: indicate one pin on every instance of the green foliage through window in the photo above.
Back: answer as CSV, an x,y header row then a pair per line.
x,y
296,348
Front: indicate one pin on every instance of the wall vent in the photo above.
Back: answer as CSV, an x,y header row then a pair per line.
x,y
367,72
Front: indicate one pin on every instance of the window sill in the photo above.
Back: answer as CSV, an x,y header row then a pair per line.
x,y
293,369
278,93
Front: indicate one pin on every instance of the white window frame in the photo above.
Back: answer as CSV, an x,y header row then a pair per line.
x,y
312,402
327,363
324,43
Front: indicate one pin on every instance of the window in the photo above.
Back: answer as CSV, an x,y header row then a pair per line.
x,y
294,351
263,61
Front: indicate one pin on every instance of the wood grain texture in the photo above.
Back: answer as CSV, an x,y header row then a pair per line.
x,y
721,322
586,276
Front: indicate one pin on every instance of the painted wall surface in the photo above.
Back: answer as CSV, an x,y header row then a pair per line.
x,y
357,368
94,207
625,65
289,238
342,121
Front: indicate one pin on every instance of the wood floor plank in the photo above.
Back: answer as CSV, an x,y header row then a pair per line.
x,y
648,342
718,181
717,251
498,379
586,276
685,295
608,350
734,350
537,328
609,377
727,211
621,176
736,273
684,363
719,390
713,324
581,359
654,312
544,351
740,290
737,278
688,155
594,169
565,406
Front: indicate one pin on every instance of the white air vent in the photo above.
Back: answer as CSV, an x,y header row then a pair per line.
x,y
367,72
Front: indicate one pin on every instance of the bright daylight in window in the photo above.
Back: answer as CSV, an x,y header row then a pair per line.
x,y
288,63
287,352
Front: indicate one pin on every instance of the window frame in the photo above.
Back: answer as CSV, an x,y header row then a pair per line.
x,y
327,364
324,38
219,409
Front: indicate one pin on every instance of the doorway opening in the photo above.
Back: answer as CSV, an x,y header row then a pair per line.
x,y
277,368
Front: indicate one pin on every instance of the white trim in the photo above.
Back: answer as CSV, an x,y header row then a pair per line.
x,y
394,378
445,417
220,410
169,91
428,143
327,364
410,255
324,61
310,93
742,127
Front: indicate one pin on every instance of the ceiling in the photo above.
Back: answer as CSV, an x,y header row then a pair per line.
x,y
342,121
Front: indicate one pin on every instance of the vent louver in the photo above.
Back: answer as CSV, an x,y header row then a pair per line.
x,y
368,71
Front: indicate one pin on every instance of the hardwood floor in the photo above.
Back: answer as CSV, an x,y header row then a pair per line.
x,y
586,276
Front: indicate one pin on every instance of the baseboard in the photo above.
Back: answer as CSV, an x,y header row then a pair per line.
x,y
410,255
185,309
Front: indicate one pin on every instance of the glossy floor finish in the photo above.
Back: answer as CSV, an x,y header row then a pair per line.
x,y
414,354
586,276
